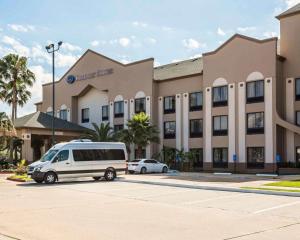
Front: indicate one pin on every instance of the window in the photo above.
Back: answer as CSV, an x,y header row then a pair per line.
x,y
220,124
118,127
196,101
85,115
196,128
297,88
119,109
140,105
98,154
255,157
50,113
255,91
63,114
298,118
169,104
255,123
143,153
298,156
220,96
197,158
169,130
220,157
105,113
63,155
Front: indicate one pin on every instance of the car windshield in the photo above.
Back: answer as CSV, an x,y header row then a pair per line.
x,y
48,155
136,160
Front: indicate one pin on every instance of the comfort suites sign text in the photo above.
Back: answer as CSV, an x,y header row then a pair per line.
x,y
101,72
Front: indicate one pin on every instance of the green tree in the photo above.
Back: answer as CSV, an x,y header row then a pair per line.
x,y
15,80
101,133
141,132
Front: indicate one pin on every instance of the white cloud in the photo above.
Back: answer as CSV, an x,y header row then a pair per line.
x,y
65,60
124,61
291,3
196,56
270,34
192,44
39,54
21,28
156,64
246,29
139,24
221,32
16,46
151,40
94,43
167,29
124,42
176,60
70,47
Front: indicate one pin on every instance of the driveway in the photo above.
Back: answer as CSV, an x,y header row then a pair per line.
x,y
125,210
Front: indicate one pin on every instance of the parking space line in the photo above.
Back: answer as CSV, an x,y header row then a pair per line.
x,y
212,199
276,207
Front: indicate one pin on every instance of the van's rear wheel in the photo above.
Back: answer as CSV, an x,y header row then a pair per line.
x,y
96,178
50,178
109,175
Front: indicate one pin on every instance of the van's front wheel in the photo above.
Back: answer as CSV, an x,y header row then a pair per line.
x,y
50,178
109,175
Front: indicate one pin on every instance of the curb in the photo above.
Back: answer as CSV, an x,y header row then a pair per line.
x,y
222,189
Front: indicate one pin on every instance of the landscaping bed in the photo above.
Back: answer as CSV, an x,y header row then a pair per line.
x,y
291,183
19,178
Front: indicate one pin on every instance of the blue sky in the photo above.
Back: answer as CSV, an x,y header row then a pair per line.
x,y
168,30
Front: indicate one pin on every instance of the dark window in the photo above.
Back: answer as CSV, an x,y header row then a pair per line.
x,y
85,115
98,154
143,153
196,101
197,157
297,89
63,114
50,113
169,104
298,118
63,155
220,125
220,157
169,130
298,156
255,123
119,109
140,105
105,113
255,91
255,157
196,128
220,96
118,127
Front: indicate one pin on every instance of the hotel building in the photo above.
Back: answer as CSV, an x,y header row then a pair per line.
x,y
238,107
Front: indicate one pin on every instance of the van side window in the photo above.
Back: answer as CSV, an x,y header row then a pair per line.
x,y
98,154
63,155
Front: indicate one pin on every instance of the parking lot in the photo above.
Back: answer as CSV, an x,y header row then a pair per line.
x,y
124,210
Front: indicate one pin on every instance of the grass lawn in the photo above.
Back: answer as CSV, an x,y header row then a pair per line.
x,y
271,189
294,183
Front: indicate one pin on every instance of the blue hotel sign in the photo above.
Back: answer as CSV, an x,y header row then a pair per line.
x,y
101,72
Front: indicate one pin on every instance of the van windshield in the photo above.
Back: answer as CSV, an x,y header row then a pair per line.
x,y
48,155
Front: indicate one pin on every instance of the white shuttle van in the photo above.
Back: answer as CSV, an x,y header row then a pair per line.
x,y
80,159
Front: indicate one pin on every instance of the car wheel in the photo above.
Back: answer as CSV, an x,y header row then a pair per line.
x,y
38,180
143,170
164,169
96,178
50,178
109,175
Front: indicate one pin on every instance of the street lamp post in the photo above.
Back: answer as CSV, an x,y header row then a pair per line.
x,y
51,49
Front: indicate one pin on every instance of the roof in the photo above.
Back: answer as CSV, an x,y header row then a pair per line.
x,y
290,11
179,69
44,121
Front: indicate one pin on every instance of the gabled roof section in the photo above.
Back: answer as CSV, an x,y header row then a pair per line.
x,y
292,11
42,120
179,69
110,59
239,36
86,89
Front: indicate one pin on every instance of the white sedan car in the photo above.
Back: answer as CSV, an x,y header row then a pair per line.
x,y
147,166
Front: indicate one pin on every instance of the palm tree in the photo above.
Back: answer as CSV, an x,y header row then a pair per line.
x,y
141,132
101,133
16,78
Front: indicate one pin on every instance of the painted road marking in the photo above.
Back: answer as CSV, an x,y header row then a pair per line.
x,y
277,207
